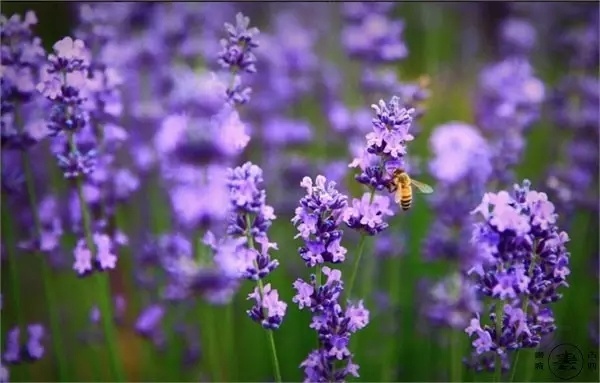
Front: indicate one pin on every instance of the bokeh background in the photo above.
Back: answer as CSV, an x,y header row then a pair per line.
x,y
449,42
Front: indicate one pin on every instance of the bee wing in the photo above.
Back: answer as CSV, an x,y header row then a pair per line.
x,y
423,188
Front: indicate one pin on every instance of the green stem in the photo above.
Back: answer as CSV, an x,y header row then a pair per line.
x,y
498,360
361,247
215,366
455,355
230,340
102,282
259,283
359,252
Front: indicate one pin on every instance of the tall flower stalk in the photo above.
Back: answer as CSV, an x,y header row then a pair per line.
x,y
381,156
251,218
317,219
521,264
64,82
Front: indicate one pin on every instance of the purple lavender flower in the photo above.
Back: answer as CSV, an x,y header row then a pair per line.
x,y
517,36
102,259
521,263
367,214
318,218
268,309
64,81
334,326
250,219
33,350
237,48
387,141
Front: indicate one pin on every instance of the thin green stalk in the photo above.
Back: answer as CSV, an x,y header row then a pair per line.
x,y
361,247
230,340
498,360
359,252
215,366
103,285
259,283
456,356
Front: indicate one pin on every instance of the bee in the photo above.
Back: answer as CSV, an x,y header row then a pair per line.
x,y
402,184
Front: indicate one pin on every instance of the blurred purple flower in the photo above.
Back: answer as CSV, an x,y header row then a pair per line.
x,y
22,57
371,36
517,36
33,350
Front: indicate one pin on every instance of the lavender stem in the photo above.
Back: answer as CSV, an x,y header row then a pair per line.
x,y
455,355
359,252
498,361
103,285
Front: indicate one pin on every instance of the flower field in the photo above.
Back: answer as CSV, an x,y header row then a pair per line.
x,y
282,192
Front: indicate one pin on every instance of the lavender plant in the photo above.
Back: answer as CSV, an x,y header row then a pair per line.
x,y
318,219
181,134
522,262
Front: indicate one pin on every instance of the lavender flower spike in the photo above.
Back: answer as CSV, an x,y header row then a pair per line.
x,y
522,262
317,219
250,219
386,144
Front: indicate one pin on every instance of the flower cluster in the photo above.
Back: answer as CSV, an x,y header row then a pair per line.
x,y
386,144
33,350
317,219
367,214
64,79
21,54
333,324
237,56
522,263
250,219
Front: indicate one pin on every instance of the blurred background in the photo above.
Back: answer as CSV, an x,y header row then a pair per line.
x,y
451,43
